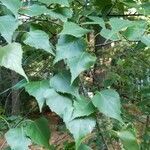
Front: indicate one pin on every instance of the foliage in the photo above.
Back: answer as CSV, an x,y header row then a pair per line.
x,y
49,44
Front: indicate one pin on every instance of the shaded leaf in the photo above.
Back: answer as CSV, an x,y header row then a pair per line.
x,y
17,140
8,25
61,13
84,147
62,83
12,5
37,89
83,107
73,29
68,47
11,58
128,140
108,103
38,131
79,64
39,39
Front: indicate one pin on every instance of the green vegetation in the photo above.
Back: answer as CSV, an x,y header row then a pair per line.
x,y
84,61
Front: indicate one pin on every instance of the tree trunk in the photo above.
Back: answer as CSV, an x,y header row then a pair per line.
x,y
98,72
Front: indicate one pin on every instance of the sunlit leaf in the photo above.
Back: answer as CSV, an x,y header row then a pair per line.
x,y
79,64
73,29
17,139
108,103
62,83
80,128
68,47
37,89
11,58
39,39
8,25
34,10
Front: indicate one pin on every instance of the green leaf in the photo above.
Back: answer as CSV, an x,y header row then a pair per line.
x,y
128,140
73,29
17,139
117,25
80,128
102,3
38,89
135,32
38,131
61,13
84,147
8,25
68,47
145,8
108,103
59,104
96,20
80,63
12,5
146,40
83,107
62,83
61,2
39,39
34,10
11,56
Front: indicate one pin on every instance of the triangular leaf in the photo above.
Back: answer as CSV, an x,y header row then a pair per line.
x,y
12,5
128,140
17,140
73,29
80,64
62,83
58,103
68,47
11,58
96,20
37,89
61,13
146,40
108,103
39,39
80,128
61,2
8,25
135,32
38,131
83,107
117,25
